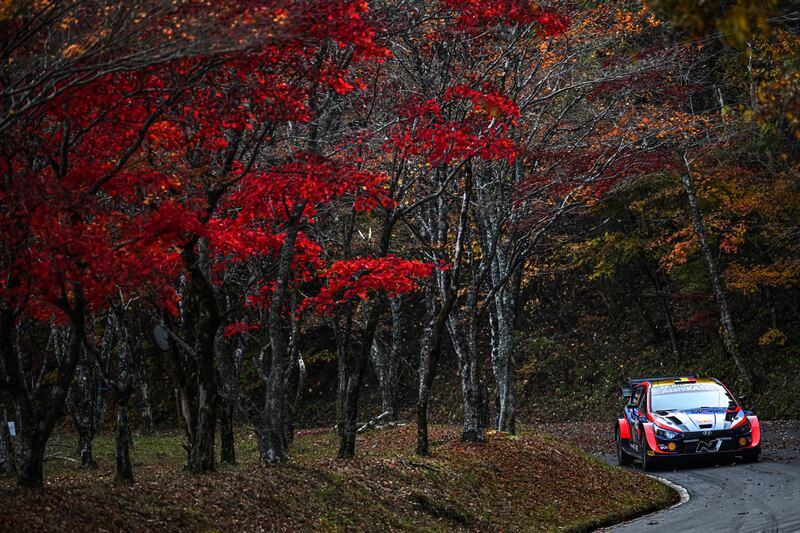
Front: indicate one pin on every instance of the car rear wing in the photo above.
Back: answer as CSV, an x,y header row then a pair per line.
x,y
627,390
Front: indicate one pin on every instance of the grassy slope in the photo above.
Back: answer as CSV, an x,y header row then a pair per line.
x,y
527,483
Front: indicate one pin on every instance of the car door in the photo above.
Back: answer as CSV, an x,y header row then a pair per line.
x,y
631,415
640,413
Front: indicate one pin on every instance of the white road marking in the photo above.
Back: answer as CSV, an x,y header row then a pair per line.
x,y
682,492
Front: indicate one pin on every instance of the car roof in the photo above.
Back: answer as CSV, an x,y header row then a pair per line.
x,y
663,382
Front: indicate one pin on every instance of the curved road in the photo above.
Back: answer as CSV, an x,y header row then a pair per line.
x,y
764,496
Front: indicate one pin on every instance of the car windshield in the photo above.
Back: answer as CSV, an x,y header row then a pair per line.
x,y
689,396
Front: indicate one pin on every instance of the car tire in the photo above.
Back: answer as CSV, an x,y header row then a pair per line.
x,y
623,457
751,457
648,463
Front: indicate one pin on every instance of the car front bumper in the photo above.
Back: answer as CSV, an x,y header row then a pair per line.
x,y
737,441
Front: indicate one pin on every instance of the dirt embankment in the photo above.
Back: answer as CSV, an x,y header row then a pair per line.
x,y
533,482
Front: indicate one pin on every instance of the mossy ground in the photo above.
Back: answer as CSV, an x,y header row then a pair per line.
x,y
531,482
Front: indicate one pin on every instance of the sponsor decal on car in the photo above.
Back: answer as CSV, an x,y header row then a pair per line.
x,y
684,387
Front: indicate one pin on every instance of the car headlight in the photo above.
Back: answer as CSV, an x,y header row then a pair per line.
x,y
665,434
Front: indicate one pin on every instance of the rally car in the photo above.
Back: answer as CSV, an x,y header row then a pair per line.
x,y
667,417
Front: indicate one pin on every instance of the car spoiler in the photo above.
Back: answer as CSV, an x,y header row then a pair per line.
x,y
627,390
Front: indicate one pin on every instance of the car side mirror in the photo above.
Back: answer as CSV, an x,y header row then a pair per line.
x,y
627,392
742,399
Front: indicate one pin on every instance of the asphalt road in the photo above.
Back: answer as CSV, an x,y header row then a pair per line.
x,y
764,496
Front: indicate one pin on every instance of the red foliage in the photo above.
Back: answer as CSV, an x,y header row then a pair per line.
x,y
60,237
704,319
428,131
109,185
482,13
358,278
238,327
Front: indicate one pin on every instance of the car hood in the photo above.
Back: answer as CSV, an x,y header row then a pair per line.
x,y
706,419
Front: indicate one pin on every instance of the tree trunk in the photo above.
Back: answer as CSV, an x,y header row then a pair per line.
x,y
425,373
226,435
8,463
348,425
354,376
503,364
386,361
353,363
99,412
463,328
229,363
82,406
473,392
85,449
198,381
298,396
31,457
446,283
271,443
118,341
665,309
202,458
147,409
123,453
728,331
344,341
37,415
296,361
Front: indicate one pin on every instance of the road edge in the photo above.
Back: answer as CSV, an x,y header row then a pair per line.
x,y
680,489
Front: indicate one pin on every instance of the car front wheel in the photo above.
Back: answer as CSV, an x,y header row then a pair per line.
x,y
623,459
751,456
648,462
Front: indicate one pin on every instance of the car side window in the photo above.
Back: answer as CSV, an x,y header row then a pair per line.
x,y
641,402
637,392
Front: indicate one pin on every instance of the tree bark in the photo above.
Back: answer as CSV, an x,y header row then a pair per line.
x,y
86,450
503,364
447,282
425,372
201,458
8,463
123,444
147,408
298,397
31,457
665,309
387,361
118,341
728,331
293,407
99,412
196,375
473,388
272,438
82,406
353,362
36,413
355,369
226,434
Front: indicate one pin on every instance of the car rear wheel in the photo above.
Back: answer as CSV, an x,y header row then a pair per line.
x,y
623,458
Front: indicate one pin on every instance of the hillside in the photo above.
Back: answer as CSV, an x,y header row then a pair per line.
x,y
527,483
